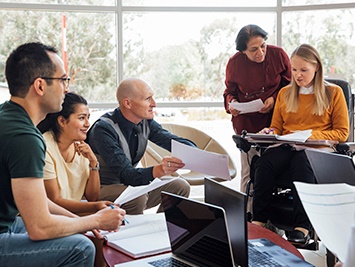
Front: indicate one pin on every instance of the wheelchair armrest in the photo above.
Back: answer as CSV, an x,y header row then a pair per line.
x,y
347,148
241,143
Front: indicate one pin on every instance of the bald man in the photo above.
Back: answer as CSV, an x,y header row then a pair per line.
x,y
119,139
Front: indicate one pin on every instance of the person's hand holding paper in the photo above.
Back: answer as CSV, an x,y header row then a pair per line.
x,y
202,161
132,192
248,107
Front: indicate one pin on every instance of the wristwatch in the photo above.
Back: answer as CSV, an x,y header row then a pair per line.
x,y
96,168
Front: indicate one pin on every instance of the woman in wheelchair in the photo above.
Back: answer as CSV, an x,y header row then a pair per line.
x,y
308,102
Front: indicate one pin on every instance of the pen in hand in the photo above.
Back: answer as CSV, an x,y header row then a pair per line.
x,y
124,219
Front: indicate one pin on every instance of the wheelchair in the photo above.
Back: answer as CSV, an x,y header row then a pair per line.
x,y
281,206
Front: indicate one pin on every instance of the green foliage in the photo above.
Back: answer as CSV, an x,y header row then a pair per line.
x,y
330,32
90,46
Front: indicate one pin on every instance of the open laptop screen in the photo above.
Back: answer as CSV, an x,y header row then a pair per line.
x,y
233,202
197,231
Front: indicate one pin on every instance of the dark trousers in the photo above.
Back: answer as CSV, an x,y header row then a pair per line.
x,y
270,171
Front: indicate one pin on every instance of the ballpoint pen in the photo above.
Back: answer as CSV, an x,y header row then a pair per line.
x,y
124,219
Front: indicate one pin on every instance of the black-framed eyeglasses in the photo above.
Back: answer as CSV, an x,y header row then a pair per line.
x,y
64,80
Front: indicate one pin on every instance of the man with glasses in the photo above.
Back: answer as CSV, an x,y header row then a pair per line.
x,y
34,231
64,80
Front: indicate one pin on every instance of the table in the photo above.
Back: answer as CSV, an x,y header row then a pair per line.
x,y
272,139
113,256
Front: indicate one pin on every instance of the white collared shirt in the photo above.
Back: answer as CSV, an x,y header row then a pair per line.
x,y
306,91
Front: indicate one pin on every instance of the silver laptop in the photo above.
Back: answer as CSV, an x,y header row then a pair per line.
x,y
198,235
256,252
330,168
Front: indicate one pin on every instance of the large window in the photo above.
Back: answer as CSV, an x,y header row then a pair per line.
x,y
331,32
180,47
184,55
89,40
201,3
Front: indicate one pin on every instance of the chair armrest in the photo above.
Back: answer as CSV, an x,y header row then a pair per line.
x,y
242,143
347,148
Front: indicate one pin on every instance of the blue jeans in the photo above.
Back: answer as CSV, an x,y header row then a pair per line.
x,y
17,249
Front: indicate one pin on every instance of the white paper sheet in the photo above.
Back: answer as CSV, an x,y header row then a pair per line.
x,y
247,107
132,192
330,208
202,161
299,136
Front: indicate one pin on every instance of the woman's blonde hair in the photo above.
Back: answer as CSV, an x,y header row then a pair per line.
x,y
322,95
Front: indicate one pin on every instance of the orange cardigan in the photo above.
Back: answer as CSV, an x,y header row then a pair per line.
x,y
332,125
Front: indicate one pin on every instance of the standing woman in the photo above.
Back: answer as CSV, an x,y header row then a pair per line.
x,y
257,71
71,169
307,103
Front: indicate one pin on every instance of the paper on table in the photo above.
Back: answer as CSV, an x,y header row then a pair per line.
x,y
299,136
201,161
330,208
132,192
247,107
146,234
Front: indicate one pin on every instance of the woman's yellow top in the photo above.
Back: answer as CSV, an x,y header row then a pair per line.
x,y
332,125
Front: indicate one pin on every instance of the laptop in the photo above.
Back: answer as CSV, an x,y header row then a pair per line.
x,y
198,235
330,168
252,252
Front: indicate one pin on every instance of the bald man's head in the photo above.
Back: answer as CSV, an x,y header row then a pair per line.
x,y
130,88
135,99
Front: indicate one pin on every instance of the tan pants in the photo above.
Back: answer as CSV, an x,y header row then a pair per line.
x,y
245,159
137,206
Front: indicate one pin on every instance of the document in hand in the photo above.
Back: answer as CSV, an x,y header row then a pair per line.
x,y
202,161
247,107
132,192
330,208
146,234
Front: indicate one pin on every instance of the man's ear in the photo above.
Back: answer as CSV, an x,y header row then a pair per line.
x,y
127,103
39,86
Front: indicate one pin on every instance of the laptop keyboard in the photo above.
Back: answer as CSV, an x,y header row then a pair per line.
x,y
208,248
168,262
259,259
